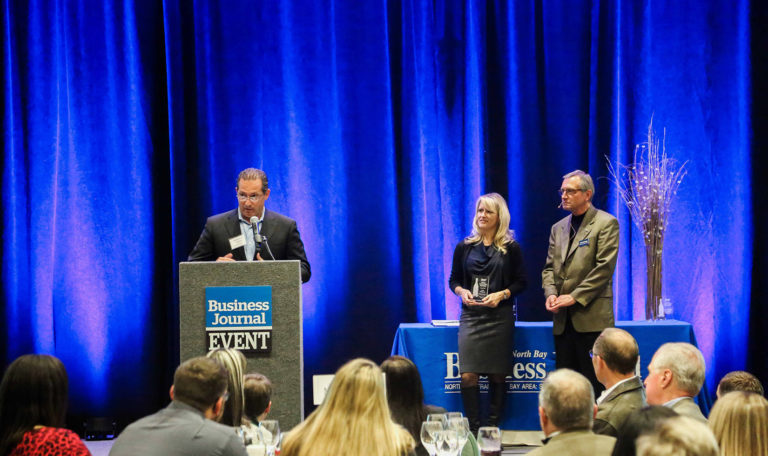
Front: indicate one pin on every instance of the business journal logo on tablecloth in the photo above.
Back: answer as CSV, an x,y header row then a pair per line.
x,y
239,318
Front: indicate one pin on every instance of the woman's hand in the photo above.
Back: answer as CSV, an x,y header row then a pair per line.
x,y
466,296
493,299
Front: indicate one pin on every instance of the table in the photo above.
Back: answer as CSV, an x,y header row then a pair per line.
x,y
434,350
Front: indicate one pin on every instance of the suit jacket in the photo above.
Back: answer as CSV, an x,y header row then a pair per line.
x,y
178,429
281,233
687,407
614,409
576,443
585,271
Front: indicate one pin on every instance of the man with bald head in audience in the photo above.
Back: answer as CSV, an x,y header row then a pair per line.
x,y
675,376
566,410
614,357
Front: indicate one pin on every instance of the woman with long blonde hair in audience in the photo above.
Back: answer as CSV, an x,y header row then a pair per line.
x,y
353,419
739,421
235,363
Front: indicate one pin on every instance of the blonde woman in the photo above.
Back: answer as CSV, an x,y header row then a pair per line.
x,y
739,421
235,363
353,419
487,273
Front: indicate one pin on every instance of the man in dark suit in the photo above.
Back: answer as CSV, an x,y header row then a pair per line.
x,y
230,236
188,425
675,376
566,409
578,275
614,356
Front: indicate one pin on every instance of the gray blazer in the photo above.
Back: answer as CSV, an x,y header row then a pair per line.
x,y
281,232
576,443
178,430
687,407
585,271
614,409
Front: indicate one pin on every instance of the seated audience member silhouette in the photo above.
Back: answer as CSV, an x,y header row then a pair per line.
x,y
257,390
640,421
187,427
33,406
678,436
675,376
739,421
353,419
405,396
739,381
614,357
566,409
235,363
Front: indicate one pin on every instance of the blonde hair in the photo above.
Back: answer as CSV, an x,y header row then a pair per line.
x,y
678,436
235,363
739,421
353,418
503,235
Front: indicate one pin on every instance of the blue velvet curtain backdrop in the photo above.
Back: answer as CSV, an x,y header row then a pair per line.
x,y
379,124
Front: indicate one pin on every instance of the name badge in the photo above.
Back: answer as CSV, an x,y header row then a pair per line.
x,y
584,242
237,241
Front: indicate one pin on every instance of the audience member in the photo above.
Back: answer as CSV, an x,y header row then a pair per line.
x,y
353,419
640,421
739,421
257,390
235,363
678,436
614,357
186,427
33,406
739,381
566,409
675,376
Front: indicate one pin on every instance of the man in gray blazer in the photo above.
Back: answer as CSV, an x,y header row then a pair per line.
x,y
251,232
186,426
578,275
614,357
675,376
566,409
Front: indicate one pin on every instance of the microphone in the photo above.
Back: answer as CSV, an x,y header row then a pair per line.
x,y
256,233
559,206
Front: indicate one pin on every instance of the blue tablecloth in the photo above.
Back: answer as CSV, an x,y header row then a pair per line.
x,y
435,351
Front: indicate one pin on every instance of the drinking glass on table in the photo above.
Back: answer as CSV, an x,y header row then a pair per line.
x,y
489,441
270,435
446,442
438,417
450,415
461,426
429,430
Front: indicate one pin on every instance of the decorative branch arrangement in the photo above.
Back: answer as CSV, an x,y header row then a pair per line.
x,y
647,187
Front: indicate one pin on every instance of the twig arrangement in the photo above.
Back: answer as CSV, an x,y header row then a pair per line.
x,y
647,187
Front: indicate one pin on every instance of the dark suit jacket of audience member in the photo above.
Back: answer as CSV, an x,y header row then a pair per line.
x,y
614,409
281,232
576,443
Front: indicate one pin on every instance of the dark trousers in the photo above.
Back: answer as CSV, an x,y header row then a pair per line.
x,y
572,352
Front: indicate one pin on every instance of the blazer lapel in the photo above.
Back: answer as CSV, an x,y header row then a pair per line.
x,y
233,229
565,234
584,229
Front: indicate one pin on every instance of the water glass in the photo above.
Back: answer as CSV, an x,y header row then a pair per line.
x,y
489,441
446,442
438,417
461,426
428,434
270,434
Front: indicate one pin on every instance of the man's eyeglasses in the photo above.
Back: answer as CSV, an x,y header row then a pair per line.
x,y
592,354
569,191
253,198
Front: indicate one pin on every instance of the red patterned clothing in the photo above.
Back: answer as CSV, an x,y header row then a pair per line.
x,y
49,441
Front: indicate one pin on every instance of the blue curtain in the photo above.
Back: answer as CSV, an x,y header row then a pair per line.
x,y
379,123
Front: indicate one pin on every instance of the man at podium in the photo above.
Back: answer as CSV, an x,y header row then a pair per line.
x,y
251,232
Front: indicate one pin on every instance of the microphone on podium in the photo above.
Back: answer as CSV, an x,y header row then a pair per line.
x,y
256,233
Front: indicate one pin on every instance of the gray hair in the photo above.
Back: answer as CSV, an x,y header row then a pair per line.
x,y
253,174
685,362
568,400
678,436
585,180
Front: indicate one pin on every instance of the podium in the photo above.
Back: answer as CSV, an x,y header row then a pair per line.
x,y
284,365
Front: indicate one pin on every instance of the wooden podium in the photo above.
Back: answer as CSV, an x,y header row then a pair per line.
x,y
284,365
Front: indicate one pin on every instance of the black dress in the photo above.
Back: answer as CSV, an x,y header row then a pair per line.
x,y
486,334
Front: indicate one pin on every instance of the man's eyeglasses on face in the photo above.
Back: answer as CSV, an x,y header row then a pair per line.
x,y
569,191
253,198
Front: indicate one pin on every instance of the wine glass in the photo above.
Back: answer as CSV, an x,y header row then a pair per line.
x,y
438,417
489,441
428,433
461,426
446,442
270,434
450,415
